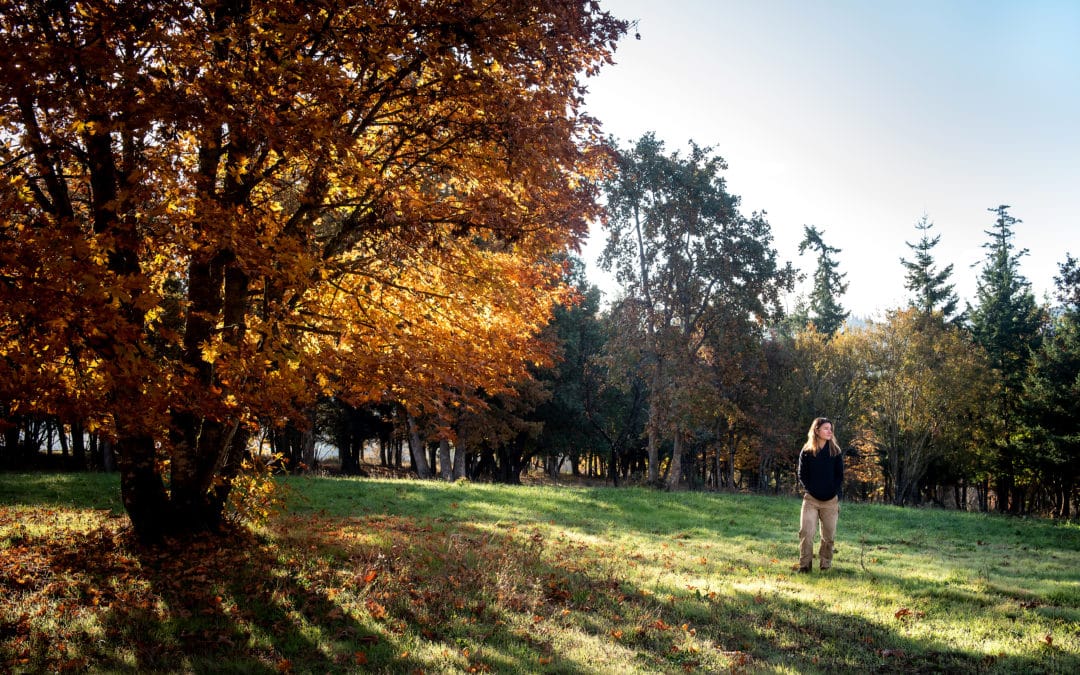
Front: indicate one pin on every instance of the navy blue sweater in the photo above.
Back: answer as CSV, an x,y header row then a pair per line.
x,y
821,475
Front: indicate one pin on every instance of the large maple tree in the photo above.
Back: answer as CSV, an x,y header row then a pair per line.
x,y
211,211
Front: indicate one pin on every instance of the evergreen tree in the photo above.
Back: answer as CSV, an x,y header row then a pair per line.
x,y
1006,323
826,313
1052,397
577,335
929,286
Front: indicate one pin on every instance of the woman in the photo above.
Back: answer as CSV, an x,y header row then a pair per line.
x,y
821,475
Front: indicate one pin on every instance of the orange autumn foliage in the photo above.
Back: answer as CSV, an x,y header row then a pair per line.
x,y
215,211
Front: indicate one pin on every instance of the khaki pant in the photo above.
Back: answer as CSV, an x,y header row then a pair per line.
x,y
813,512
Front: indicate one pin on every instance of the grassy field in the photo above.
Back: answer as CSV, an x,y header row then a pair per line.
x,y
390,576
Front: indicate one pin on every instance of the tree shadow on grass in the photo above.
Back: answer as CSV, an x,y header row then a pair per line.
x,y
847,643
778,632
317,595
221,603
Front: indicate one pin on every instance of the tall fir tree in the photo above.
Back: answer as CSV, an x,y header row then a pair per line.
x,y
1052,396
826,312
929,286
1006,322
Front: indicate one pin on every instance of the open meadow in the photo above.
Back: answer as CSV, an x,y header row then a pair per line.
x,y
402,576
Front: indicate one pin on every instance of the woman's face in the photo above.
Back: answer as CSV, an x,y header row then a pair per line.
x,y
824,431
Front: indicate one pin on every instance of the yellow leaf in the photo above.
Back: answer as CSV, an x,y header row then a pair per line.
x,y
209,352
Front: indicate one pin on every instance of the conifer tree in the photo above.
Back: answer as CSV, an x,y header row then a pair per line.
x,y
1006,323
826,313
1052,396
929,286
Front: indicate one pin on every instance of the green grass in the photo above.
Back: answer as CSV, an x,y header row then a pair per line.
x,y
404,576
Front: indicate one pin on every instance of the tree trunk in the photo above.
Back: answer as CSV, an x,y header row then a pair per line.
x,y
195,501
417,451
201,476
78,445
65,450
653,447
764,468
308,446
142,489
731,461
510,463
11,443
432,450
108,456
459,461
446,470
236,453
675,471
349,450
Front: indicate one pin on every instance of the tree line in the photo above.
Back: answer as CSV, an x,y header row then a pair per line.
x,y
231,226
710,385
694,377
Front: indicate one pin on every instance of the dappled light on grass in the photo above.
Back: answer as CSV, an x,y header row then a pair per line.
x,y
402,576
97,599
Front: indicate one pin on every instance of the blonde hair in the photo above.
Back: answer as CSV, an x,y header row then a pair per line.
x,y
812,437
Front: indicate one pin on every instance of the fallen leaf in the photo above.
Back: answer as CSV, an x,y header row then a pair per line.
x,y
376,610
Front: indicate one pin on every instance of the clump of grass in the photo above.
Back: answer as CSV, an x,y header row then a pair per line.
x,y
401,576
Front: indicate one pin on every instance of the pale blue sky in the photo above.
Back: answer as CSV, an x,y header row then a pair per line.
x,y
858,117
